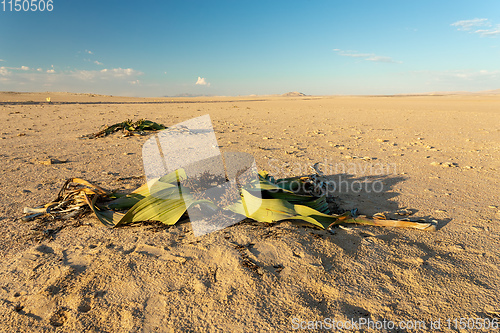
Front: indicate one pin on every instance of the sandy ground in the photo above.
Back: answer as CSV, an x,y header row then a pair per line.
x,y
435,157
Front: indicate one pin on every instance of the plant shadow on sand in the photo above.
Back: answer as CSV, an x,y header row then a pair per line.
x,y
370,195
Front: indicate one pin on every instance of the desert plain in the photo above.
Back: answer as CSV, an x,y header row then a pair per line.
x,y
431,157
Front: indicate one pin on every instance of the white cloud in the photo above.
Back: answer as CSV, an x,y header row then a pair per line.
x,y
473,75
202,82
39,70
106,80
356,55
84,75
2,60
4,71
22,68
383,59
366,56
106,74
489,33
97,62
469,24
120,72
472,25
89,52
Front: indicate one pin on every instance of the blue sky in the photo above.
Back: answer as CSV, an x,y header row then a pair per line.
x,y
158,48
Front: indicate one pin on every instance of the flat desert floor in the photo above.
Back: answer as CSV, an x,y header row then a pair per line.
x,y
431,157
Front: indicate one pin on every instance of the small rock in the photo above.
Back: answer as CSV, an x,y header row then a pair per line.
x,y
435,163
52,161
440,211
457,247
344,228
21,134
493,206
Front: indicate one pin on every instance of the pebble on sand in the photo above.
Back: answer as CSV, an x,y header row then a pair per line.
x,y
52,161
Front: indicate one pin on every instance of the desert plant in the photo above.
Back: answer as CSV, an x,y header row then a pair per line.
x,y
167,199
128,127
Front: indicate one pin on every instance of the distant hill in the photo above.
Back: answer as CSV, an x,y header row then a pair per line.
x,y
293,94
188,95
490,92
